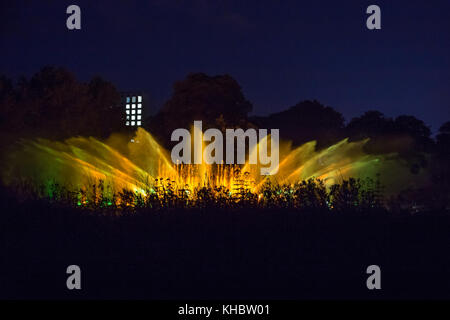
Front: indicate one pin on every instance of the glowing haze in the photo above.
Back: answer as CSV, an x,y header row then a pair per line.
x,y
141,165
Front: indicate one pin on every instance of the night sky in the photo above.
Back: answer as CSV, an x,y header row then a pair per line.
x,y
279,53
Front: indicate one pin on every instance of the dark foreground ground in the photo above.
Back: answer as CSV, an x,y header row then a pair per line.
x,y
222,255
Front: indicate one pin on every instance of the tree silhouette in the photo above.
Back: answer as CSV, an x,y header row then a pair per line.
x,y
416,129
6,100
405,135
306,121
370,125
54,104
443,140
216,100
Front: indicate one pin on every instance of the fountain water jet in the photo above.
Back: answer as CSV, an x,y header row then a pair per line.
x,y
142,165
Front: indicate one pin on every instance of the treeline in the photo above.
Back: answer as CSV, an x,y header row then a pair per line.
x,y
219,102
54,104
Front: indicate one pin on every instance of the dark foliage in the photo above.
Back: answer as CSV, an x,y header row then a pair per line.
x,y
54,104
212,253
405,135
218,101
306,121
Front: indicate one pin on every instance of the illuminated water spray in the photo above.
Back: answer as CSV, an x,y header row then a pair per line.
x,y
145,167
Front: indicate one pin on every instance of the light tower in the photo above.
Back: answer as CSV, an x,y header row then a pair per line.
x,y
133,104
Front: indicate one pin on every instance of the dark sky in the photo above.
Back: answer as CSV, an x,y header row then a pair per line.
x,y
279,53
